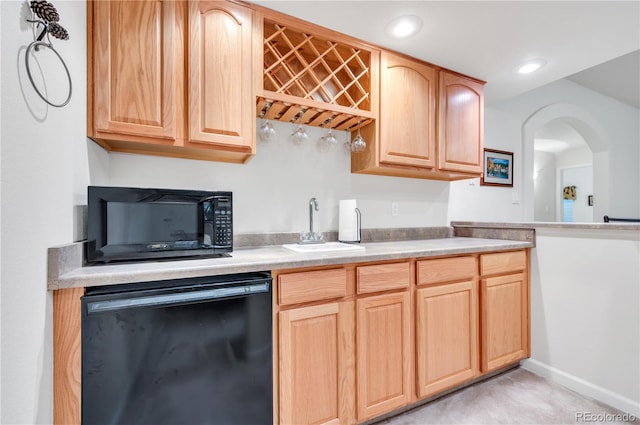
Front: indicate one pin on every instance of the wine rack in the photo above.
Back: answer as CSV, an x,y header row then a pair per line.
x,y
312,80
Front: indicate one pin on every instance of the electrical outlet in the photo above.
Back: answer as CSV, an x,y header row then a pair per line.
x,y
395,209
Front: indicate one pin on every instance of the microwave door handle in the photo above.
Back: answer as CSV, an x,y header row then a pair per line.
x,y
211,198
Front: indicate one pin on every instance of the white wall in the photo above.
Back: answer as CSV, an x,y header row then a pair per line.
x,y
0,220
545,192
574,157
585,321
468,200
43,163
272,191
506,128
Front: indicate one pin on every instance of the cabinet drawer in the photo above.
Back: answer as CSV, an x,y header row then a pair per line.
x,y
446,270
503,262
383,277
302,287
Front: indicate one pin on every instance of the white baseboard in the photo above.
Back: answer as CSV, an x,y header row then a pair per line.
x,y
583,387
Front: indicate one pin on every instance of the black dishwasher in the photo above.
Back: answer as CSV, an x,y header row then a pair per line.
x,y
187,351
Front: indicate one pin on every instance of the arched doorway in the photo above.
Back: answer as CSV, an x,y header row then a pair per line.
x,y
590,130
562,159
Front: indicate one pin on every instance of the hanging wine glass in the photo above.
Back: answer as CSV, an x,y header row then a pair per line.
x,y
299,134
328,141
266,132
358,144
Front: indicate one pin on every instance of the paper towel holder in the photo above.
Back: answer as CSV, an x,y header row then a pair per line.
x,y
358,227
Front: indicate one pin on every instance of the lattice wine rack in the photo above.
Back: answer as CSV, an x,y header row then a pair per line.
x,y
314,81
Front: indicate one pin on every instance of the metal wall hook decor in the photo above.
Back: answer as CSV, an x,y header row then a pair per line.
x,y
49,18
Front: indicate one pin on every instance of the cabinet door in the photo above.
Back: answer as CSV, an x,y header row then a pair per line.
x,y
407,112
446,336
504,303
221,102
316,352
460,124
136,50
383,359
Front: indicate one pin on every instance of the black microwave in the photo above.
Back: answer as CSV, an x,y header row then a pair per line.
x,y
125,223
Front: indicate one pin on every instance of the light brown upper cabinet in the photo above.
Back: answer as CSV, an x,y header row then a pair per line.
x,y
430,123
460,124
142,99
407,112
133,68
220,77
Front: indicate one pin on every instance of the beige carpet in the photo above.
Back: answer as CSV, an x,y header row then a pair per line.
x,y
514,397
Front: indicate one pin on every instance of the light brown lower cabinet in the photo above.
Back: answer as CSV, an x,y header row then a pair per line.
x,y
504,316
384,358
446,336
314,357
504,308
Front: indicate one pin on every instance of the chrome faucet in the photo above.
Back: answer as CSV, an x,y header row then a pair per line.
x,y
311,236
313,203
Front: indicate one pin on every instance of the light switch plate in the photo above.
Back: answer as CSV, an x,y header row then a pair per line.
x,y
515,197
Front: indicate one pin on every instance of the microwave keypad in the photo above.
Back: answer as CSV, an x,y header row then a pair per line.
x,y
223,226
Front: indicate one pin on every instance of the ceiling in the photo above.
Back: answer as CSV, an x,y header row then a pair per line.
x,y
588,41
558,136
618,78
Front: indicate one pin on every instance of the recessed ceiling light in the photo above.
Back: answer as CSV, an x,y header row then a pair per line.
x,y
404,26
530,66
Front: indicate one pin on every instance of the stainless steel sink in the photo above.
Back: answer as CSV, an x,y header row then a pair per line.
x,y
323,247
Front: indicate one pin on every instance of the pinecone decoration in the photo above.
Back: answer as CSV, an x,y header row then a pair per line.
x,y
45,10
58,31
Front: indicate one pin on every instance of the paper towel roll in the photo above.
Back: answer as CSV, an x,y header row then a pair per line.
x,y
348,230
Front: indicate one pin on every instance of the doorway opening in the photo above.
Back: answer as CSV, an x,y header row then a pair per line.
x,y
563,174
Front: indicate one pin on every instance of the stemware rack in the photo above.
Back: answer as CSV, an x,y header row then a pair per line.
x,y
316,80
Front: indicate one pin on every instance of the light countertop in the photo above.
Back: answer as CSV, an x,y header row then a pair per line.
x,y
616,226
273,257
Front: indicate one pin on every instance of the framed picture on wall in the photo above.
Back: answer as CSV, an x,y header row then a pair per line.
x,y
498,168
